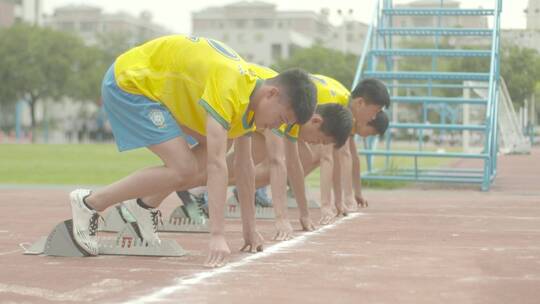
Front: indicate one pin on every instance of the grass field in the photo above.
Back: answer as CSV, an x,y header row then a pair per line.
x,y
87,164
100,164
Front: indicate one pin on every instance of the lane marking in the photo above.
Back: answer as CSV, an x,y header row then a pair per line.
x,y
183,283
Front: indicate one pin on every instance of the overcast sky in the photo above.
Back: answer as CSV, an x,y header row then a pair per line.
x,y
176,15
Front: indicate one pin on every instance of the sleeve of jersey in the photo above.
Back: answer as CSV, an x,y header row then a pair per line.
x,y
218,100
288,131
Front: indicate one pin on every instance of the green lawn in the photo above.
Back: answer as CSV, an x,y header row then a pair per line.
x,y
99,164
90,164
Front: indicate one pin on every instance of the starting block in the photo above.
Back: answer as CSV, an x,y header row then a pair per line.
x,y
179,221
60,242
232,210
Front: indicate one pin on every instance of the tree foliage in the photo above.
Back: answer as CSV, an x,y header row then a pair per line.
x,y
40,63
321,60
37,63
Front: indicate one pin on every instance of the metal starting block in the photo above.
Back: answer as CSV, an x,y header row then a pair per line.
x,y
232,210
128,241
179,221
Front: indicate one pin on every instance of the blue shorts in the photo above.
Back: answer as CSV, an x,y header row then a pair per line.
x,y
136,120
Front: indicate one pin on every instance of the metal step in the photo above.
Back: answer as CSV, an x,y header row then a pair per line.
x,y
431,52
438,12
424,154
434,99
429,75
433,31
421,178
392,85
437,126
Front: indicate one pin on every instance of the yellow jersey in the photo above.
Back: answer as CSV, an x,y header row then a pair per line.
x,y
329,90
191,76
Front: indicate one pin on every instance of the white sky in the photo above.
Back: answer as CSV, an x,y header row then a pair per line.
x,y
176,15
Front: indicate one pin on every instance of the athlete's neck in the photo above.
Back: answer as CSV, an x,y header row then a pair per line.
x,y
256,95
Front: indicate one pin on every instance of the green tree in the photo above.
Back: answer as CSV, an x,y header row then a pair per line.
x,y
113,44
90,65
37,63
520,69
321,60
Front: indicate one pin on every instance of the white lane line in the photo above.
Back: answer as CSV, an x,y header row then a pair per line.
x,y
184,283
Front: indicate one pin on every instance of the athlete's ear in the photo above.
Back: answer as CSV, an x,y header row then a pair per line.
x,y
273,91
317,119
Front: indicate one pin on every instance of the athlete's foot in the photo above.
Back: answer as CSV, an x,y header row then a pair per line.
x,y
147,218
284,230
85,222
327,216
307,223
219,252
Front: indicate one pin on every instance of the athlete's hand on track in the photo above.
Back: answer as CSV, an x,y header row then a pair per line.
x,y
219,252
253,242
284,230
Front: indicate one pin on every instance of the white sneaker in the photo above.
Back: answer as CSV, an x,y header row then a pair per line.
x,y
85,222
147,220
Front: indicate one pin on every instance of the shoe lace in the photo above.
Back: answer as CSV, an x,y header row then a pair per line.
x,y
156,218
93,225
202,204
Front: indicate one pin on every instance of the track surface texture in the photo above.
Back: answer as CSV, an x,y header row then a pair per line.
x,y
423,244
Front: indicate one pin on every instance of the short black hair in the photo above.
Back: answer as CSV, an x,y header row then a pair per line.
x,y
337,122
380,123
373,91
301,92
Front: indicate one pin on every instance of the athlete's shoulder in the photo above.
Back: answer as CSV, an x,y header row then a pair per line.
x,y
262,71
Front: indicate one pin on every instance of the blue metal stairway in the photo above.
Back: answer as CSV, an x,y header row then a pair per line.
x,y
381,58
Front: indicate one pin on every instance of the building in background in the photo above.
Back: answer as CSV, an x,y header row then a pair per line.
x,y
533,15
348,37
90,22
433,21
260,33
446,21
529,37
14,11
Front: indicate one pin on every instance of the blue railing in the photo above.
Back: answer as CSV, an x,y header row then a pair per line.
x,y
381,43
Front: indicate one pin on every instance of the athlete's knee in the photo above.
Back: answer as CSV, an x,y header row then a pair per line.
x,y
184,172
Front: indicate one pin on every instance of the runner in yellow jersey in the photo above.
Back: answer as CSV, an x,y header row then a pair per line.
x,y
369,97
310,146
332,123
158,93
